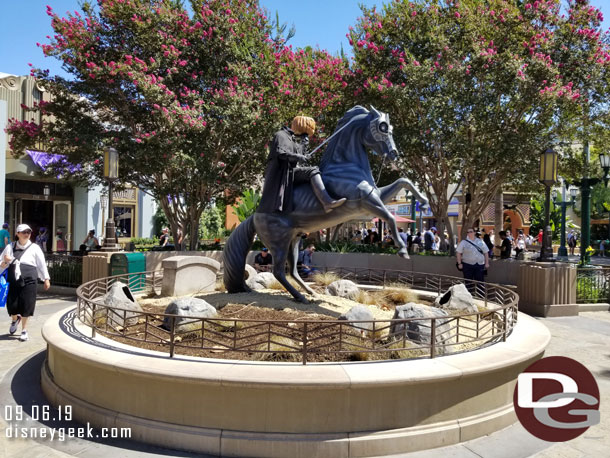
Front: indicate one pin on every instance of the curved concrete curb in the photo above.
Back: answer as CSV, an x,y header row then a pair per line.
x,y
236,408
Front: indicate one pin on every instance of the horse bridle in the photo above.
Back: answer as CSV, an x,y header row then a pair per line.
x,y
374,127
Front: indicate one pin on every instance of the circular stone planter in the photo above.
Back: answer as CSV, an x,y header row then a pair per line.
x,y
234,408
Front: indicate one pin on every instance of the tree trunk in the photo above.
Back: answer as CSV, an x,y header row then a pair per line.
x,y
499,216
336,232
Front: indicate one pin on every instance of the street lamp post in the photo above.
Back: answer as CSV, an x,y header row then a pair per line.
x,y
104,205
585,195
111,173
548,177
563,251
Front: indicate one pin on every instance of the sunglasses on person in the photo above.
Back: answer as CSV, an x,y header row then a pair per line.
x,y
470,232
27,231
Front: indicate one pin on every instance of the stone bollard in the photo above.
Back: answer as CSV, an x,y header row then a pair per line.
x,y
188,275
547,289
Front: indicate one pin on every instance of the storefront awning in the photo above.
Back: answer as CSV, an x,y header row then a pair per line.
x,y
43,160
399,219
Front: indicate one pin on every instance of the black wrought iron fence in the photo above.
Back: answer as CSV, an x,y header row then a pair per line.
x,y
65,269
324,339
593,285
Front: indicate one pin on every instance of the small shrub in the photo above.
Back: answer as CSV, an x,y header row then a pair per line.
x,y
363,297
398,295
278,349
220,286
404,349
325,279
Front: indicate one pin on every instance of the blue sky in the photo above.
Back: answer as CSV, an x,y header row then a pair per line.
x,y
25,22
318,22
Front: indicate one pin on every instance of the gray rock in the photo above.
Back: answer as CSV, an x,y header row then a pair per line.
x,y
189,309
343,288
119,297
358,313
420,330
457,298
262,280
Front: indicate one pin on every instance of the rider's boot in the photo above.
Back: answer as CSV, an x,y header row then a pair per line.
x,y
320,191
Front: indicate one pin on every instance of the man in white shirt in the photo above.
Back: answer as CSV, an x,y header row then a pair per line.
x,y
472,257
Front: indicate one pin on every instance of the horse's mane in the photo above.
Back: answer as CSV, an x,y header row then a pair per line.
x,y
338,143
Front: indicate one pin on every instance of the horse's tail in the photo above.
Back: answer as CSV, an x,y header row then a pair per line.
x,y
234,256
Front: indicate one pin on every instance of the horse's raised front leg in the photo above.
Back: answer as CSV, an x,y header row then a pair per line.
x,y
293,258
373,204
388,192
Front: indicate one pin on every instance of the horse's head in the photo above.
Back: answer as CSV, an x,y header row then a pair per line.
x,y
379,135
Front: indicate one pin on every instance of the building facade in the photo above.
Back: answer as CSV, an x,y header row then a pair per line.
x,y
66,211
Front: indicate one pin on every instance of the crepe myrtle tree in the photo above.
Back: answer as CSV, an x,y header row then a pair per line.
x,y
473,90
187,98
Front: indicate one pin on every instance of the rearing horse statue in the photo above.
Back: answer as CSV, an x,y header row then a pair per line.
x,y
347,173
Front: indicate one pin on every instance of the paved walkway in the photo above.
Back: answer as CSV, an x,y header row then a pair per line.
x,y
585,338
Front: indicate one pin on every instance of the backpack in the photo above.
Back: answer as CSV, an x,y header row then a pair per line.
x,y
3,288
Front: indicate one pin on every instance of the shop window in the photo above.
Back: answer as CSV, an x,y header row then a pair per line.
x,y
124,220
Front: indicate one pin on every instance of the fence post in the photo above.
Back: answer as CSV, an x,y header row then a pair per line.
x,y
504,324
305,343
93,321
433,338
172,334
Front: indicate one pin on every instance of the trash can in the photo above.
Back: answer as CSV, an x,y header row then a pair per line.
x,y
130,263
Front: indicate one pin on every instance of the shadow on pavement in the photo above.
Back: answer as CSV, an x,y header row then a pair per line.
x,y
25,391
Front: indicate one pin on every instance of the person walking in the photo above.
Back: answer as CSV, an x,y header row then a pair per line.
x,y
429,238
5,236
488,243
42,238
505,247
472,258
520,245
572,242
25,262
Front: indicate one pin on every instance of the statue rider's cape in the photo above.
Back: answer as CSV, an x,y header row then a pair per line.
x,y
279,174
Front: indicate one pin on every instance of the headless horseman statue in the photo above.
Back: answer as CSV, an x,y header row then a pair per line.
x,y
287,149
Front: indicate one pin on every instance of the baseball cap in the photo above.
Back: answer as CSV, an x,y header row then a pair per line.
x,y
23,227
265,249
433,228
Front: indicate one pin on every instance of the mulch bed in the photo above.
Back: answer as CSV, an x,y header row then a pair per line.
x,y
221,334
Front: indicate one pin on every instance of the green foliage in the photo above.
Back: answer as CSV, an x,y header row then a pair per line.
x,y
144,243
211,224
66,273
592,288
159,221
248,202
349,247
600,201
537,206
